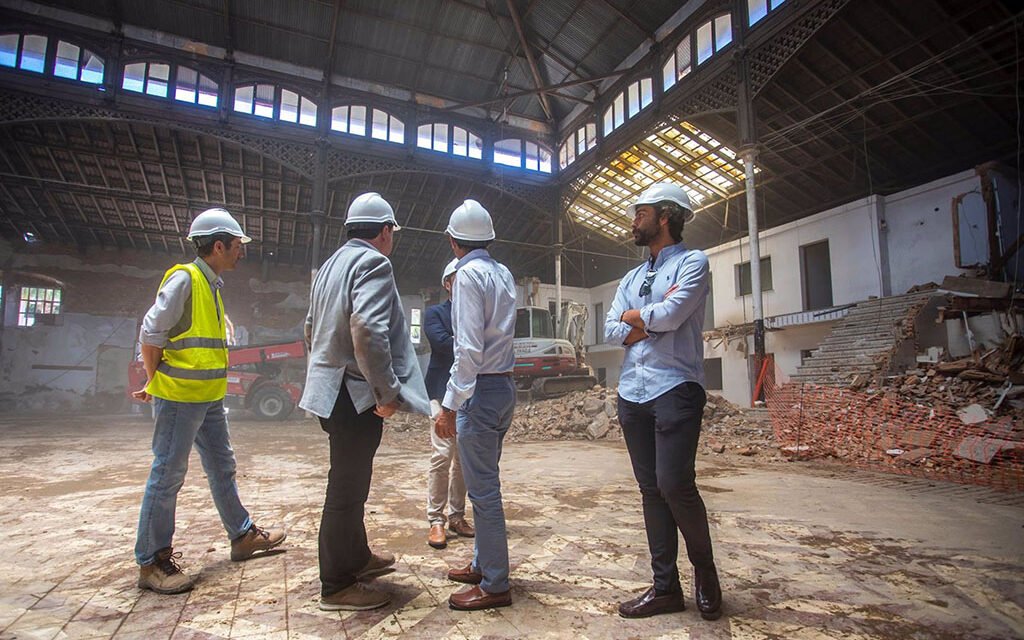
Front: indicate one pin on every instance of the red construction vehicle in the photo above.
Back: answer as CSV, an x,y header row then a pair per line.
x,y
257,379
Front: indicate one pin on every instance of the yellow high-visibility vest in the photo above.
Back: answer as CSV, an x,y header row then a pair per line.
x,y
194,366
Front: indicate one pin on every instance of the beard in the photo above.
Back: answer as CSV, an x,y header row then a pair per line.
x,y
642,237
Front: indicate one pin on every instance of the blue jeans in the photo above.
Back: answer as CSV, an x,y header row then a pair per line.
x,y
177,426
481,425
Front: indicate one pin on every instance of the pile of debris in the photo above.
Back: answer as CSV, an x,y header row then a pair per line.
x,y
994,380
592,415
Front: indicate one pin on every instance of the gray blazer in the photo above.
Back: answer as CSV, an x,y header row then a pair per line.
x,y
356,333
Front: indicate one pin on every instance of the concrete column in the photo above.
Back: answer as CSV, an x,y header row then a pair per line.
x,y
558,279
749,156
880,236
318,213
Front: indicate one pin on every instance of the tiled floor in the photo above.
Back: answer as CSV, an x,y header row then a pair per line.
x,y
802,555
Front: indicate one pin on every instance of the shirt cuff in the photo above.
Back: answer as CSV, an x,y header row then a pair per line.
x,y
646,314
154,339
452,400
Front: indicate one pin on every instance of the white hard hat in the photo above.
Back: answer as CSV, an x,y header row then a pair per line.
x,y
449,270
372,208
662,192
213,221
471,222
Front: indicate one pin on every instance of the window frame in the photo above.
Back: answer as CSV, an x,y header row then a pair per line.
x,y
51,306
524,157
174,82
620,108
712,24
765,286
276,106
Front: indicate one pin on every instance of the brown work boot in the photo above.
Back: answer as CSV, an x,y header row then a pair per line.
x,y
356,597
437,538
378,565
461,528
255,540
164,575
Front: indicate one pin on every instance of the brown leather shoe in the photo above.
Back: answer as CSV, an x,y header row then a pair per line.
x,y
461,528
475,599
651,604
378,565
465,575
437,538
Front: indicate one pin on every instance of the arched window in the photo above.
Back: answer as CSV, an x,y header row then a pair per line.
x,y
713,36
351,119
514,152
627,104
757,9
578,143
154,79
445,138
196,88
28,52
270,101
75,63
678,65
296,108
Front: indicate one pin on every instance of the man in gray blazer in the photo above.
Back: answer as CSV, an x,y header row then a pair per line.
x,y
362,368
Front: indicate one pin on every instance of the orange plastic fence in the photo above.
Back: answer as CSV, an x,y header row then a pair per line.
x,y
883,432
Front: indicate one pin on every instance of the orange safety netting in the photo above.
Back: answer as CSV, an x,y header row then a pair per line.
x,y
884,432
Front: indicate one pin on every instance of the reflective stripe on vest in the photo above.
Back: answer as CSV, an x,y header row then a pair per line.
x,y
191,374
193,367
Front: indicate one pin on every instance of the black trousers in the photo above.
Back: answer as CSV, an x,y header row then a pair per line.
x,y
354,438
661,436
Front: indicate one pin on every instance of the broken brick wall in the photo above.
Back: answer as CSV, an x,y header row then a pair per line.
x,y
883,431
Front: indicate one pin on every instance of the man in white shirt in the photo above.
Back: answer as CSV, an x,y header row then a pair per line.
x,y
480,399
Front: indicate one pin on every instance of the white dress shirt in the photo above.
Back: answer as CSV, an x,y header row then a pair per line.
x,y
484,321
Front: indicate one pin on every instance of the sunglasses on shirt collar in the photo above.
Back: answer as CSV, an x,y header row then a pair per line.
x,y
645,286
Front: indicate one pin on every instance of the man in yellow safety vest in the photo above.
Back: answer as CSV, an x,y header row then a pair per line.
x,y
184,350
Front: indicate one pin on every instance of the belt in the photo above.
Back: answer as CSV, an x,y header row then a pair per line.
x,y
507,374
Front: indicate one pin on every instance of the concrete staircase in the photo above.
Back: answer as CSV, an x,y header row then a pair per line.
x,y
873,336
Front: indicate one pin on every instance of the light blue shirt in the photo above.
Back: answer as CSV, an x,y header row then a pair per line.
x,y
484,322
674,353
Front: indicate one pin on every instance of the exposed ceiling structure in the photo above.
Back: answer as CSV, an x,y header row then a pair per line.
x,y
877,98
884,97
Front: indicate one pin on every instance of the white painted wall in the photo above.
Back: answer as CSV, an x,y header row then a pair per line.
x,y
911,230
920,230
54,367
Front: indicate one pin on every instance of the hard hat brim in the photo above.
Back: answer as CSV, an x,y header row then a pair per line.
x,y
631,211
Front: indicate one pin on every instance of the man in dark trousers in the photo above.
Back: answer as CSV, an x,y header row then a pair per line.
x,y
361,369
445,485
657,315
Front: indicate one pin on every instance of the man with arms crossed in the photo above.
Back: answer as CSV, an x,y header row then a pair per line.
x,y
657,315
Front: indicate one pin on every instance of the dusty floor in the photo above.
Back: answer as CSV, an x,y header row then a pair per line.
x,y
803,551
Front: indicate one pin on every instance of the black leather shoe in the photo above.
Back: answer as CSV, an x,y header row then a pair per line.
x,y
651,604
707,592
